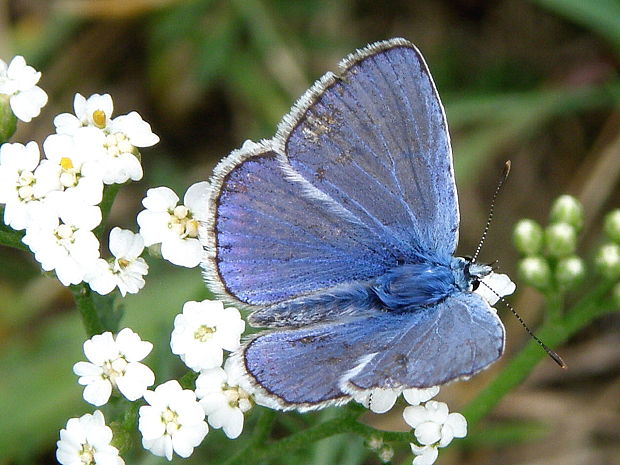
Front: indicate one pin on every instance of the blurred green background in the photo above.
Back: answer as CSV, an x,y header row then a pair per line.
x,y
534,81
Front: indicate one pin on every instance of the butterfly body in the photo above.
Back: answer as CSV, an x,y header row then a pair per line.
x,y
339,234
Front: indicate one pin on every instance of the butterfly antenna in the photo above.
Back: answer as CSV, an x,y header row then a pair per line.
x,y
551,353
500,183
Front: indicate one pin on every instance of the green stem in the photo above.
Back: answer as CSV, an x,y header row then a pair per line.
x,y
553,332
554,306
109,194
84,301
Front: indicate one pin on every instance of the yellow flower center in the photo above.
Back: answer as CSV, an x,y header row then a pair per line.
x,y
204,333
99,118
114,368
237,397
183,223
171,420
87,454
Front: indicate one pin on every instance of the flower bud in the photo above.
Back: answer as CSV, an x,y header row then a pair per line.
x,y
528,237
608,261
8,121
567,209
560,239
386,454
569,271
612,225
535,271
374,443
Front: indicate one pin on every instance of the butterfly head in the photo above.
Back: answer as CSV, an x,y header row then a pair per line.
x,y
469,274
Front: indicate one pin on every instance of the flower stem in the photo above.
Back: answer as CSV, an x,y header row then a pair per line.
x,y
109,194
84,301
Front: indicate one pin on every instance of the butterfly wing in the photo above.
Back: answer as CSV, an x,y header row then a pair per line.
x,y
324,364
374,139
267,241
362,181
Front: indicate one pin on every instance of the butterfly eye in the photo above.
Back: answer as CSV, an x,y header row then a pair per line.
x,y
475,284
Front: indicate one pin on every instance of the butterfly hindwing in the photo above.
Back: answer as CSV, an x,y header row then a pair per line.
x,y
455,338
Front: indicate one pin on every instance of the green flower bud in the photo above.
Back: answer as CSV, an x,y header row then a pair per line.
x,y
569,271
560,239
535,271
8,121
608,261
612,225
567,209
528,237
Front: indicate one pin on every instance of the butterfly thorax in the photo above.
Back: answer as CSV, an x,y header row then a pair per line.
x,y
411,286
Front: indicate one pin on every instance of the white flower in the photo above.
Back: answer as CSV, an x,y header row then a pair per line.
x,y
175,226
71,164
19,82
425,455
495,285
96,111
22,187
377,400
173,422
86,441
416,396
114,363
127,269
203,330
433,424
223,400
69,246
122,135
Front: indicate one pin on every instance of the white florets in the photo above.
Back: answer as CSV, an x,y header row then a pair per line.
x,y
114,363
172,422
19,81
203,331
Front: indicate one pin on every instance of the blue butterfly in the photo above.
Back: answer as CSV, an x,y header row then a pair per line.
x,y
339,234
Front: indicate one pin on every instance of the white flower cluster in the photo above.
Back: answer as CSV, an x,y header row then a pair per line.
x,y
56,199
201,334
175,226
114,363
86,441
433,425
174,420
18,82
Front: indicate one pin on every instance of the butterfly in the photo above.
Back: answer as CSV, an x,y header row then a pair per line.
x,y
339,235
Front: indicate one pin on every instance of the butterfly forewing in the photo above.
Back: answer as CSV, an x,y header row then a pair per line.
x,y
374,139
272,242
